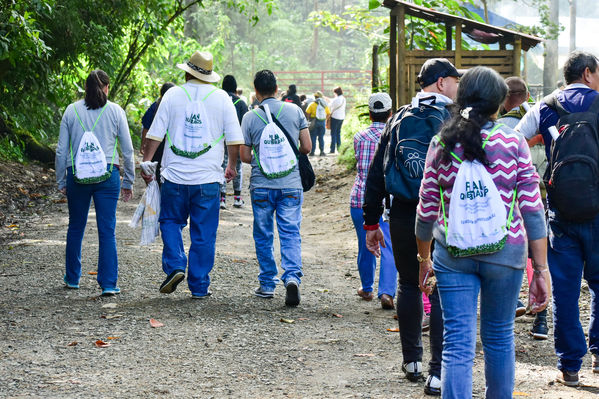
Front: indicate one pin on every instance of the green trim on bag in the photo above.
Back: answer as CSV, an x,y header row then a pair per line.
x,y
194,154
484,249
93,180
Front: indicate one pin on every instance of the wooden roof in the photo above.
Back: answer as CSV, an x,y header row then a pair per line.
x,y
469,26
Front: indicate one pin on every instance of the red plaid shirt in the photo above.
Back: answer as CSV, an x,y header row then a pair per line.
x,y
365,143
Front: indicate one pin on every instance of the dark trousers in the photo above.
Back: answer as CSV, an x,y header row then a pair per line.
x,y
336,133
409,296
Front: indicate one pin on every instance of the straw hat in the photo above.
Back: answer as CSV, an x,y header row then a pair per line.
x,y
200,66
318,94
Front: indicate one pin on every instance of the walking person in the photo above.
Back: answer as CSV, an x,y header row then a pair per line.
x,y
365,142
275,185
337,116
400,175
87,166
146,122
292,97
317,112
195,117
567,121
230,86
480,201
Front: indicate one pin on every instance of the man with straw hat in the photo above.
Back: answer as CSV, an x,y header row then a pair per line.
x,y
196,118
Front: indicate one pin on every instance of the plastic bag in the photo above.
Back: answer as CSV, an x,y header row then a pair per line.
x,y
148,210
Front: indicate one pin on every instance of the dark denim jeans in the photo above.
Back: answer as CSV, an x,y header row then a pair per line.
x,y
200,203
336,133
318,132
409,296
573,253
106,196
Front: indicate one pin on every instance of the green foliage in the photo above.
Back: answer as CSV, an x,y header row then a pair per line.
x,y
11,150
355,121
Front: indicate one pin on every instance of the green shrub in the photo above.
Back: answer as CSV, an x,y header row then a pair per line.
x,y
355,121
10,150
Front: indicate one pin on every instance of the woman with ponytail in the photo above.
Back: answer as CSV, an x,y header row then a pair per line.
x,y
471,139
88,166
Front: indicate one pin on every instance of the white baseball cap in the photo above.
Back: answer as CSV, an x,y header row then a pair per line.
x,y
379,102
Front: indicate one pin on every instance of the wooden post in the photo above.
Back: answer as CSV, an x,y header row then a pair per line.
x,y
401,55
448,38
458,43
525,67
517,55
393,58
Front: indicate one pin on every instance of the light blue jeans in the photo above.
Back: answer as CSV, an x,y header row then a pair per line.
x,y
106,196
459,281
200,203
286,204
367,261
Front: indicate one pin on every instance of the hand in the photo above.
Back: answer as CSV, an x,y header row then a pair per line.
x,y
426,272
63,190
230,173
141,148
374,241
539,291
147,178
126,194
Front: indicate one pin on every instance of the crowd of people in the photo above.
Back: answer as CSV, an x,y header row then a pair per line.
x,y
447,194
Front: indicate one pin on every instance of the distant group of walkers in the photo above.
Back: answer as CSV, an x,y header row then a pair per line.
x,y
447,194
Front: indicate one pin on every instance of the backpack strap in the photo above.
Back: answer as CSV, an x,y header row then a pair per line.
x,y
274,119
553,103
594,108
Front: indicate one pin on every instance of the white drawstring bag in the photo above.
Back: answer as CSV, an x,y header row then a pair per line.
x,y
148,210
276,158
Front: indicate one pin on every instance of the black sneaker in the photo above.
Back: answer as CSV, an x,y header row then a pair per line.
x,y
520,309
432,386
292,297
170,284
412,370
539,326
568,378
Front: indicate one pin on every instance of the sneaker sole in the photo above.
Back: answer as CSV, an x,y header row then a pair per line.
x,y
539,337
520,312
292,298
432,391
267,296
568,383
171,285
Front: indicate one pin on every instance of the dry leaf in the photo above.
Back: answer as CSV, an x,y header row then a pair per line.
x,y
113,337
516,393
73,343
364,355
302,318
92,273
102,344
396,329
155,323
111,316
111,305
288,321
12,226
337,315
60,201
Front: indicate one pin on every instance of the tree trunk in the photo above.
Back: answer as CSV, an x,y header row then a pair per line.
x,y
572,25
375,68
314,48
551,53
486,8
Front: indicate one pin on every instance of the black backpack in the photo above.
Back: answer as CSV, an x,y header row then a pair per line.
x,y
572,175
411,131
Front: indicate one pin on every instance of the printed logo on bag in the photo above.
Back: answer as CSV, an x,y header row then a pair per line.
x,y
473,190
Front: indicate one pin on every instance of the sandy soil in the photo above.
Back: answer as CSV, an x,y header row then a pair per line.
x,y
232,344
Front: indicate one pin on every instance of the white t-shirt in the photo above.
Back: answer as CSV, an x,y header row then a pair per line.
x,y
337,107
529,124
206,168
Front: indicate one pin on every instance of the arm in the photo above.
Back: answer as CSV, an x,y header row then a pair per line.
x,y
150,147
245,153
529,124
144,131
62,152
128,157
305,142
231,169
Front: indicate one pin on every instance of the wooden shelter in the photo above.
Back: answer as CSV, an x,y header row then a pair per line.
x,y
405,64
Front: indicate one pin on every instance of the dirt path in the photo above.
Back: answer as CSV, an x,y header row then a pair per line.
x,y
229,345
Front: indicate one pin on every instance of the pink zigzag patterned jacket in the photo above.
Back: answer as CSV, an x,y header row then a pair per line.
x,y
510,167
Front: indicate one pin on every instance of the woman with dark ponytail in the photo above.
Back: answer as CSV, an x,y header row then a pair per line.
x,y
473,141
88,166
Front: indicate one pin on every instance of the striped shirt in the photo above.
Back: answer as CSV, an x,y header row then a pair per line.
x,y
510,167
365,143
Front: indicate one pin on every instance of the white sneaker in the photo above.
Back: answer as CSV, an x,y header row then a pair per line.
x,y
223,203
432,386
238,202
413,371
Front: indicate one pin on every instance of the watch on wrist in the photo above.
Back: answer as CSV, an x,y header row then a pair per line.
x,y
421,259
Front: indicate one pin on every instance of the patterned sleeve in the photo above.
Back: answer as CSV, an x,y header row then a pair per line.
x,y
428,206
529,195
364,150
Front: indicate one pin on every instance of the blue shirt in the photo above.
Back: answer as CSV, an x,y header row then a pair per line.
x,y
574,98
146,120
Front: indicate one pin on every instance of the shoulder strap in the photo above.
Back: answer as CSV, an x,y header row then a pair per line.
x,y
553,103
203,99
594,108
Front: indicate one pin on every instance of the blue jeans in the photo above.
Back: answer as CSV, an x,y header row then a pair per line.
x,y
318,132
459,281
106,196
287,205
336,133
367,261
200,203
573,254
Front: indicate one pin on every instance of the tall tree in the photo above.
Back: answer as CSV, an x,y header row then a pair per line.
x,y
572,25
551,50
